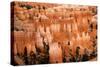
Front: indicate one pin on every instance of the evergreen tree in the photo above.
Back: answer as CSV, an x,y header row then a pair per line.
x,y
25,56
85,56
77,54
32,57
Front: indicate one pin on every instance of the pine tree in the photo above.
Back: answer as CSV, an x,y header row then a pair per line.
x,y
25,56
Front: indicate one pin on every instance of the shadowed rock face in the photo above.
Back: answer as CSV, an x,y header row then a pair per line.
x,y
53,33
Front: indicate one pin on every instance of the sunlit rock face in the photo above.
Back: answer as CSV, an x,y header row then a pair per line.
x,y
45,33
